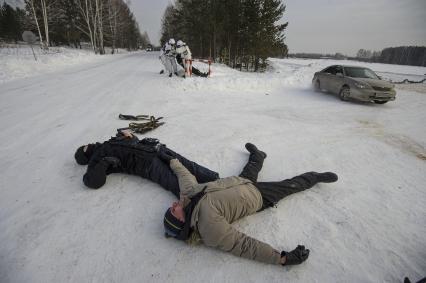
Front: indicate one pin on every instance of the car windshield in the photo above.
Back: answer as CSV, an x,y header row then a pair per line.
x,y
355,72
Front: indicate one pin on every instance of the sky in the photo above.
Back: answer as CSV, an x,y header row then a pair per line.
x,y
330,26
326,26
149,13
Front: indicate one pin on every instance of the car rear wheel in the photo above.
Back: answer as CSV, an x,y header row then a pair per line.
x,y
317,85
379,102
344,93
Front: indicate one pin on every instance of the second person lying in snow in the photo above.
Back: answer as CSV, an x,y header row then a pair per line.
x,y
205,211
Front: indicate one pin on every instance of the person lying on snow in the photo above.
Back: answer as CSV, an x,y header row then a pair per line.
x,y
205,211
125,153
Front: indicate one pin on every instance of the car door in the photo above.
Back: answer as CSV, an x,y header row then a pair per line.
x,y
326,76
336,80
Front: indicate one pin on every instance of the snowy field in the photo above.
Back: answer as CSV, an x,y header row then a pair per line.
x,y
370,226
17,61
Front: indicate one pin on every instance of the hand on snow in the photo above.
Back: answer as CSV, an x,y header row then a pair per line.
x,y
296,256
127,133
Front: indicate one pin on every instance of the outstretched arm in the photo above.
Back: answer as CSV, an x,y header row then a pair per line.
x,y
125,136
201,173
216,232
187,182
95,176
98,169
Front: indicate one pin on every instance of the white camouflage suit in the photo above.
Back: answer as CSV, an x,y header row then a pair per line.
x,y
185,54
167,57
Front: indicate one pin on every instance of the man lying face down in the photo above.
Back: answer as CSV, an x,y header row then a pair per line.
x,y
125,153
205,211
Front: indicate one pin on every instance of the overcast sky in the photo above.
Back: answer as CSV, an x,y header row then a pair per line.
x,y
328,26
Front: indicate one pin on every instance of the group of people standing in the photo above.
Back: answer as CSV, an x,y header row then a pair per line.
x,y
178,52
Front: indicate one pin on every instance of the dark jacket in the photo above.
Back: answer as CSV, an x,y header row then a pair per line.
x,y
138,158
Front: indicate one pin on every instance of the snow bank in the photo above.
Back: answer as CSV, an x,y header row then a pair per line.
x,y
17,61
290,73
388,72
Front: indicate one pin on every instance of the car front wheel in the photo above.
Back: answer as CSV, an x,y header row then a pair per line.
x,y
344,93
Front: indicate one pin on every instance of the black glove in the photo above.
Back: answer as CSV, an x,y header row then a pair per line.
x,y
165,155
296,256
114,162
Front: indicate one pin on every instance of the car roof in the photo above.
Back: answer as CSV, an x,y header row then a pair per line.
x,y
350,66
353,66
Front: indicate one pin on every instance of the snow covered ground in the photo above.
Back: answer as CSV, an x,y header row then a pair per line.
x,y
17,61
370,226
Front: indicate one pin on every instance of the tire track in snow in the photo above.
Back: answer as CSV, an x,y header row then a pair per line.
x,y
402,142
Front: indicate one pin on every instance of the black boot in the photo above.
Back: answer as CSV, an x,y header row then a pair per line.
x,y
326,177
170,75
161,72
254,164
254,150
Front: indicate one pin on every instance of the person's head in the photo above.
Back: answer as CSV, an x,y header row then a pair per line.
x,y
180,43
172,41
84,153
174,220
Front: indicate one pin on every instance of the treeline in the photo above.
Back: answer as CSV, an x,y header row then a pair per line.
x,y
239,33
12,22
337,56
102,23
404,55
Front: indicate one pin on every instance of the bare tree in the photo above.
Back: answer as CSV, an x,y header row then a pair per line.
x,y
30,3
99,24
113,14
86,10
48,12
45,21
102,22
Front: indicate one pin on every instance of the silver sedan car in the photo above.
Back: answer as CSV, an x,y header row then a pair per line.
x,y
354,82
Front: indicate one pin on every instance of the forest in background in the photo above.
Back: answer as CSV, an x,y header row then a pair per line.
x,y
239,33
402,55
102,23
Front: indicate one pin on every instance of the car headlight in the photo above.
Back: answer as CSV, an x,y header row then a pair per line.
x,y
361,85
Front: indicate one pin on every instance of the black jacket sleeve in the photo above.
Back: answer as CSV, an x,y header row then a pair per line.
x,y
95,176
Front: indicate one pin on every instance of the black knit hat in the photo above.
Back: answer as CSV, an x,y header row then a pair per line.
x,y
172,226
80,156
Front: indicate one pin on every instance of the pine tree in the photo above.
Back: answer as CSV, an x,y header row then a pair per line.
x,y
11,22
240,33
